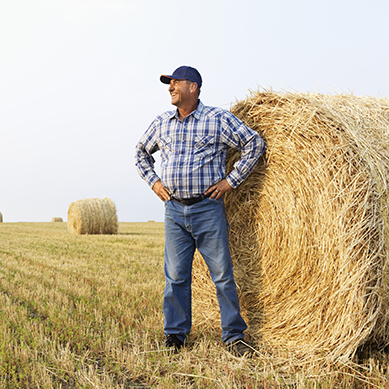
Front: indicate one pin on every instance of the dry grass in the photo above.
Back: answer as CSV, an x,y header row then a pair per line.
x,y
85,311
309,227
93,216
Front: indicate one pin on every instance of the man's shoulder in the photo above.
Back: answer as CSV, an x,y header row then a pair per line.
x,y
215,111
165,116
162,118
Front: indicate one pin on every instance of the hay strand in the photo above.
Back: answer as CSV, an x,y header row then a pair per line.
x,y
93,216
309,228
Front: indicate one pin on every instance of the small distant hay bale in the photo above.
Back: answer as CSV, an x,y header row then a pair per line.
x,y
309,228
93,216
1,217
57,220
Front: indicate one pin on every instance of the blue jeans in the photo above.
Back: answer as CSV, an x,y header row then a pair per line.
x,y
203,225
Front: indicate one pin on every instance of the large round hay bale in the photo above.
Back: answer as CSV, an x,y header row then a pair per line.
x,y
1,217
57,220
93,216
309,228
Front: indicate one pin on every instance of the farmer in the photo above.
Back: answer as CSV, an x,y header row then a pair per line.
x,y
193,141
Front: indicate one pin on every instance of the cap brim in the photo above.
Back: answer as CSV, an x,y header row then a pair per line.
x,y
167,79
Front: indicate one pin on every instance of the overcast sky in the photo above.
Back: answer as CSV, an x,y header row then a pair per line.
x,y
79,82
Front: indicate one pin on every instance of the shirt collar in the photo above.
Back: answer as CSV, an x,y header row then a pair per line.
x,y
196,113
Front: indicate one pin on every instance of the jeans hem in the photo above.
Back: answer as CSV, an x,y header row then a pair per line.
x,y
234,339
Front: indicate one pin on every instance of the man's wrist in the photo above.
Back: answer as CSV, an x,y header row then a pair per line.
x,y
153,181
232,183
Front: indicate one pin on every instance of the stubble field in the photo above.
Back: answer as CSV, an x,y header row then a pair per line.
x,y
79,311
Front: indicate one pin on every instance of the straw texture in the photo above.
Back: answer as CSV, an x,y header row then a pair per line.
x,y
309,227
93,216
57,219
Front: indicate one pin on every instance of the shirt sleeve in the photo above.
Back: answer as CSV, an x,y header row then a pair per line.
x,y
238,136
144,160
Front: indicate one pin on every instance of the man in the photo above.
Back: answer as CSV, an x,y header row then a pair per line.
x,y
193,141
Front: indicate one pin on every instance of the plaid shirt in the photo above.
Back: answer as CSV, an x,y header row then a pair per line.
x,y
193,152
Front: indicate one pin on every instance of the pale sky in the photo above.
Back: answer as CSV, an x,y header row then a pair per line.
x,y
79,82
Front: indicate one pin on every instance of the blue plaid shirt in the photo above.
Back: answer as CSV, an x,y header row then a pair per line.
x,y
193,151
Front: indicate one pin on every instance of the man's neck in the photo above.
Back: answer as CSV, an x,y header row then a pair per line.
x,y
183,112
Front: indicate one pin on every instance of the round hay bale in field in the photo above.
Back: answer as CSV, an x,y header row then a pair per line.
x,y
93,216
1,217
309,228
57,219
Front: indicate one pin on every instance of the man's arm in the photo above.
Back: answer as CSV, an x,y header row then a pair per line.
x,y
144,160
252,146
236,135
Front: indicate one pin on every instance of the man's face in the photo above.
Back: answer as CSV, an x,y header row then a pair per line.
x,y
179,91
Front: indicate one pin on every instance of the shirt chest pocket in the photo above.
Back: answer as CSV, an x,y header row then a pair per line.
x,y
166,144
204,145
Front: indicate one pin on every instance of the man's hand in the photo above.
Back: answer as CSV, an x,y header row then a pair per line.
x,y
161,191
219,189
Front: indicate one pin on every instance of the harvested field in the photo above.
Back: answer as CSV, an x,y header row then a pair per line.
x,y
85,311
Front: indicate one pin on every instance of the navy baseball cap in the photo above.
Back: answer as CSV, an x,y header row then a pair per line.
x,y
183,73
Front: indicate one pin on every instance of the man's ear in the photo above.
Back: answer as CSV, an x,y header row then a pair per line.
x,y
193,87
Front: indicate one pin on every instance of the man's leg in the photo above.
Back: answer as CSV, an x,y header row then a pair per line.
x,y
210,230
179,251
